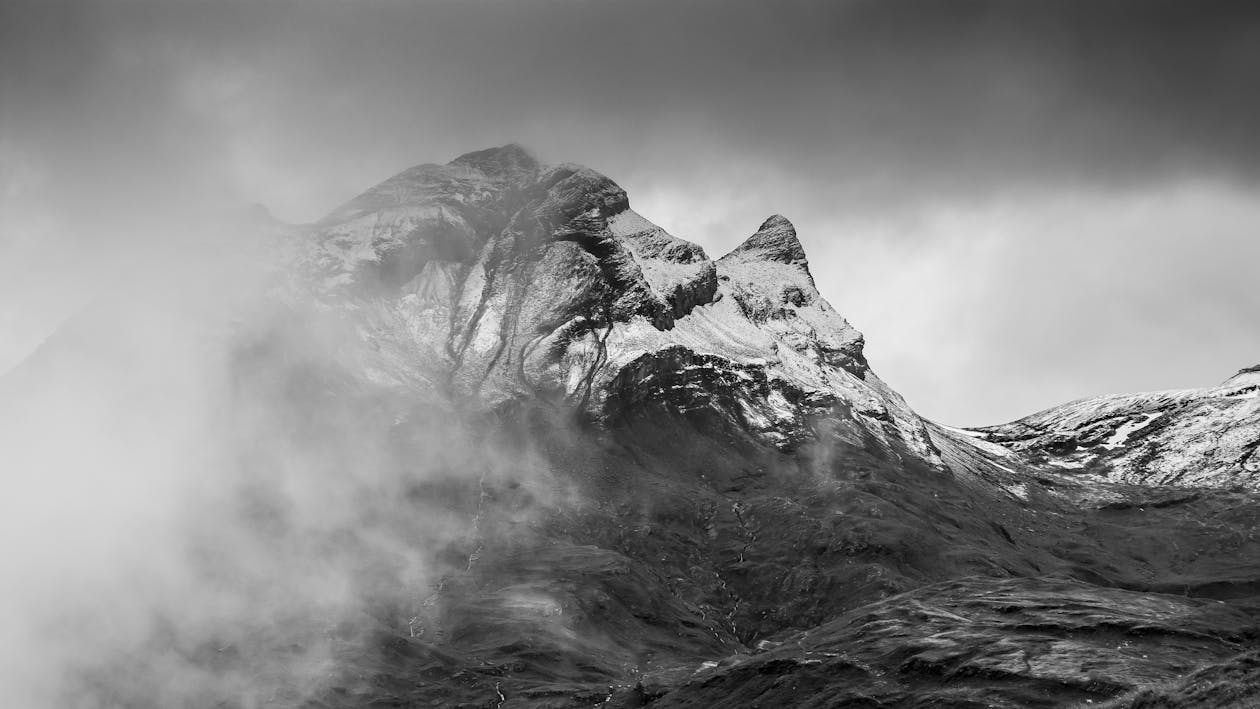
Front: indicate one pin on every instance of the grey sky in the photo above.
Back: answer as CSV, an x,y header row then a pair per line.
x,y
1019,203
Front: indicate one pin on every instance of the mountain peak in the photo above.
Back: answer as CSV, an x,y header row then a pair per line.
x,y
775,240
777,221
508,161
461,179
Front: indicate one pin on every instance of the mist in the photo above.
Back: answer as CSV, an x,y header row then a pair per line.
x,y
204,502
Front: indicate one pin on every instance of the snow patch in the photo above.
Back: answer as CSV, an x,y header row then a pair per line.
x,y
962,431
1019,490
1127,429
486,336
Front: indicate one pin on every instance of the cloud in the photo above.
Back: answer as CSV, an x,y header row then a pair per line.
x,y
866,113
881,98
208,498
1014,307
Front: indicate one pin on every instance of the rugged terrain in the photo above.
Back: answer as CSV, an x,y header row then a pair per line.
x,y
1195,437
663,479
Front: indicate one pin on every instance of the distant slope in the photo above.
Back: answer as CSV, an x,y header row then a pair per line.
x,y
1192,437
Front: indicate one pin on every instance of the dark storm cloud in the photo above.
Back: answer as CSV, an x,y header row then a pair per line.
x,y
864,121
886,97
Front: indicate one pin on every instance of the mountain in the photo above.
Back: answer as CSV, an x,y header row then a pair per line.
x,y
510,278
550,455
1192,437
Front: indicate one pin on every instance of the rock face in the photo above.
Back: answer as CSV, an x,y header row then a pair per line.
x,y
495,277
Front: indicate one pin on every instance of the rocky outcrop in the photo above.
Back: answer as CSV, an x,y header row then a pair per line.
x,y
775,241
677,269
769,278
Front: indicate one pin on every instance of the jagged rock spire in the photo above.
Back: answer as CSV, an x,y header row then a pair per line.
x,y
775,240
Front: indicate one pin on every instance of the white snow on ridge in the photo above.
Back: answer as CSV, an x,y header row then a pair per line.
x,y
628,222
1243,379
1204,437
1077,413
1019,490
962,431
667,262
722,329
1128,428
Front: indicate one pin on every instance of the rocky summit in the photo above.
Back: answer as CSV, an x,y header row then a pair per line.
x,y
611,470
493,278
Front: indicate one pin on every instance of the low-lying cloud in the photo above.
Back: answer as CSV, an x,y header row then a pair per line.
x,y
207,498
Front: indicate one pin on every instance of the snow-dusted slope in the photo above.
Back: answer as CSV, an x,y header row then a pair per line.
x,y
496,276
1192,437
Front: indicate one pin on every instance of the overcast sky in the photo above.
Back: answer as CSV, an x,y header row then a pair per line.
x,y
1019,203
